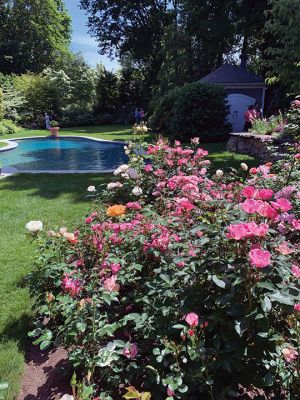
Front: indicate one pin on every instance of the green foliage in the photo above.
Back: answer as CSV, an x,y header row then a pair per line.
x,y
106,91
54,124
34,34
196,109
274,124
293,118
14,102
8,127
2,107
283,55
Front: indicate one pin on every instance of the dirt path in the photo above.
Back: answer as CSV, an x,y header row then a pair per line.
x,y
47,376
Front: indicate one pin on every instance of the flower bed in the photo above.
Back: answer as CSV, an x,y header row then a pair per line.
x,y
180,285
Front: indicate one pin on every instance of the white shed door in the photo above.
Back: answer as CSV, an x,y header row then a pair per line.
x,y
238,105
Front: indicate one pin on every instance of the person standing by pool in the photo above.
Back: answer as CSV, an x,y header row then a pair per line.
x,y
137,116
142,115
249,117
257,111
47,121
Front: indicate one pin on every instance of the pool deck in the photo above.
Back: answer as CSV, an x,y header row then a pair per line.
x,y
11,144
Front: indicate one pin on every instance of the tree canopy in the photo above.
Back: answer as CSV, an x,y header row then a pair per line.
x,y
34,34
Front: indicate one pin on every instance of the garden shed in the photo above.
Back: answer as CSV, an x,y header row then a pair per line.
x,y
243,89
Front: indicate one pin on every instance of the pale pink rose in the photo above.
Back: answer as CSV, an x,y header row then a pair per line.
x,y
259,258
284,248
289,354
91,189
195,140
62,230
70,237
192,319
297,307
296,271
131,352
110,284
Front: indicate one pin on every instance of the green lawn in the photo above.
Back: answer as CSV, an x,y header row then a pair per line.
x,y
2,144
57,200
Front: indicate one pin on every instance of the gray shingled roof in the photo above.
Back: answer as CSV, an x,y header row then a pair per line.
x,y
228,73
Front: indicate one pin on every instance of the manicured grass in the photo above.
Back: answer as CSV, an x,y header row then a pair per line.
x,y
57,200
2,144
107,132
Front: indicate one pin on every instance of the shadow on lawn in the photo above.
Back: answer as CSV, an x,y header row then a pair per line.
x,y
51,186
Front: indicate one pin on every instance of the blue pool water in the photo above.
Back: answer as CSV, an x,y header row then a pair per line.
x,y
64,154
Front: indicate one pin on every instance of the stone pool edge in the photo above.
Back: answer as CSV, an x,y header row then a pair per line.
x,y
8,171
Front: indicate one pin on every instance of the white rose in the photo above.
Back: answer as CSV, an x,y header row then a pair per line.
x,y
219,173
34,226
121,169
114,185
132,173
137,191
62,231
91,189
244,166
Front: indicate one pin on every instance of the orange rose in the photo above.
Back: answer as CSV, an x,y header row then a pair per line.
x,y
70,237
116,210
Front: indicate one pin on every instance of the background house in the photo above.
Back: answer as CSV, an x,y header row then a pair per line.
x,y
243,88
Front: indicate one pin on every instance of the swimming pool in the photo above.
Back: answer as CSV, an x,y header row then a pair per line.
x,y
68,154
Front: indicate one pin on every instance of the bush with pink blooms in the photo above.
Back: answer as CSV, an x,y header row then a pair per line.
x,y
181,284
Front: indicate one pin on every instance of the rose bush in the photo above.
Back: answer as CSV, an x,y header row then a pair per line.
x,y
182,284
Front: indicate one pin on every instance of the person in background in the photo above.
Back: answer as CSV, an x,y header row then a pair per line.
x,y
137,116
249,117
47,121
257,111
142,115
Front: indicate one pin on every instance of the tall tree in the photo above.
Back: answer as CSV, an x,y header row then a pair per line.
x,y
107,93
33,34
283,54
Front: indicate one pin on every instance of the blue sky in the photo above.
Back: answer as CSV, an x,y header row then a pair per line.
x,y
82,41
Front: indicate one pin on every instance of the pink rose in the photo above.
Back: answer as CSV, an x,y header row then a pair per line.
x,y
170,392
297,307
259,258
296,271
248,192
289,354
70,285
110,284
131,352
192,319
282,204
265,194
237,231
296,224
115,268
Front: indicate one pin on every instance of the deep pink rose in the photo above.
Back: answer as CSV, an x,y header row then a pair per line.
x,y
131,352
192,319
259,258
282,204
296,224
265,194
297,307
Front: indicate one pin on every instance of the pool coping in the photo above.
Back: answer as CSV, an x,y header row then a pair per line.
x,y
11,144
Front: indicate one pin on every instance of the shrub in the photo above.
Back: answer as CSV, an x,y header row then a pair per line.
x,y
104,119
197,109
180,283
7,127
2,107
274,124
293,127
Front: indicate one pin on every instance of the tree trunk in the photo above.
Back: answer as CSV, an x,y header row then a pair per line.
x,y
244,52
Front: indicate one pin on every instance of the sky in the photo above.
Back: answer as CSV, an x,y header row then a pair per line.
x,y
81,40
